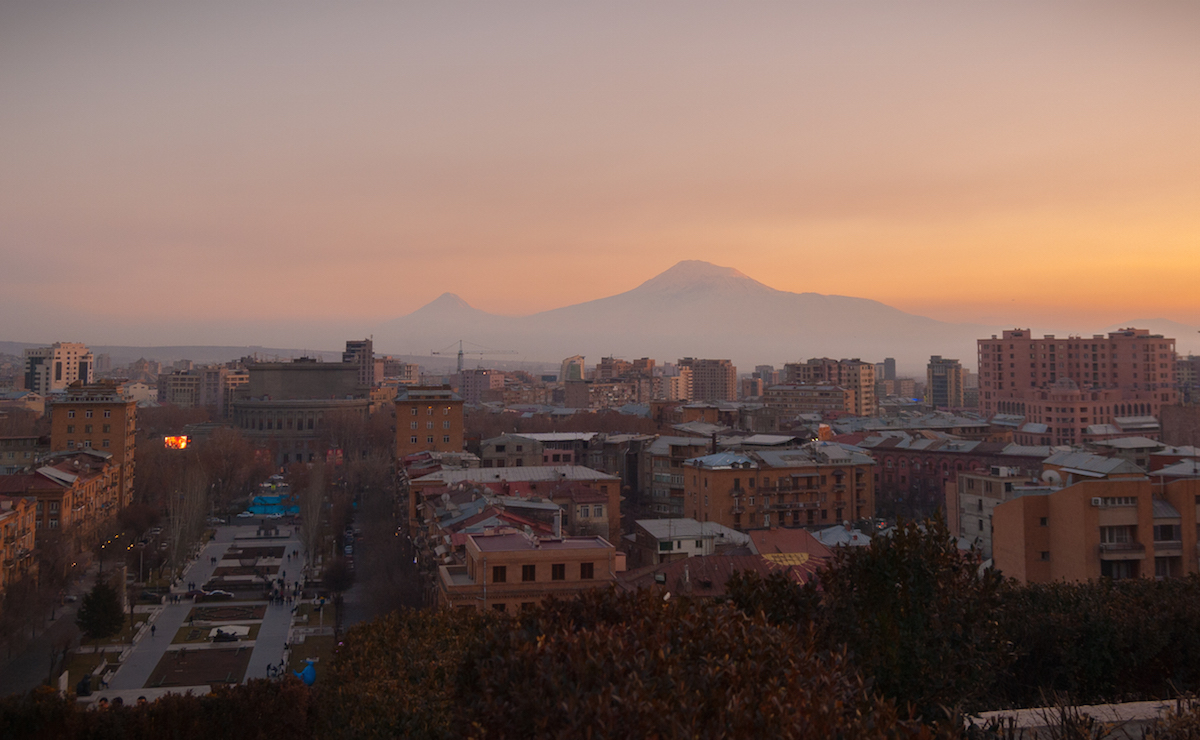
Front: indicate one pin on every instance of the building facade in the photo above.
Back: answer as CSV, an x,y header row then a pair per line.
x,y
428,419
54,368
98,417
712,380
1136,366
944,383
818,485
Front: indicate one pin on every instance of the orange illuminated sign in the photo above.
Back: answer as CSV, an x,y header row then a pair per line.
x,y
176,443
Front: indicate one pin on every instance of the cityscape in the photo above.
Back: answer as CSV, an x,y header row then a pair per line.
x,y
620,371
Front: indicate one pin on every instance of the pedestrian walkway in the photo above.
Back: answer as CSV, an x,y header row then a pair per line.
x,y
268,646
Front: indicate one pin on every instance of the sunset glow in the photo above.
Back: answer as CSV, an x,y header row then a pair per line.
x,y
295,173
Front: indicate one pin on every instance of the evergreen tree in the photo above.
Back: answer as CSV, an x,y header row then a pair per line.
x,y
100,615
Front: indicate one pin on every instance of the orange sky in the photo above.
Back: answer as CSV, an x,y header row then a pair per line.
x,y
264,169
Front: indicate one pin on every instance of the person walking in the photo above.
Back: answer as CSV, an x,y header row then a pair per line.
x,y
153,629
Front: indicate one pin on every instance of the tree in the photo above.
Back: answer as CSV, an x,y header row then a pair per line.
x,y
312,502
186,509
920,617
337,576
228,459
100,615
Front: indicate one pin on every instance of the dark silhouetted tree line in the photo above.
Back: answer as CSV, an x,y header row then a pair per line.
x,y
890,641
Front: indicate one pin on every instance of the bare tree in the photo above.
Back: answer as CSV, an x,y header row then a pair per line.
x,y
186,508
312,503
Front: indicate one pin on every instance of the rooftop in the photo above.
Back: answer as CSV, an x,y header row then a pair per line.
x,y
518,541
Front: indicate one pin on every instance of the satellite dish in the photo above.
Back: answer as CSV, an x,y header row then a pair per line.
x,y
1052,476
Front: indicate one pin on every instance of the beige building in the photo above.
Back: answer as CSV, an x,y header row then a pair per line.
x,y
53,368
509,571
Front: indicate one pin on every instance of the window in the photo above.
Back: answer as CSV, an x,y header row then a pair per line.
x,y
446,411
105,443
87,428
1166,533
500,448
446,425
429,411
412,440
413,425
1044,555
70,429
107,413
499,607
699,544
70,413
429,425
446,439
70,444
558,572
597,510
499,573
88,413
587,571
1044,522
1119,535
585,512
414,411
429,440
107,428
528,572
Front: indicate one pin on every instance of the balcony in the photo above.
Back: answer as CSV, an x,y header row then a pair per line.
x,y
790,506
1168,547
737,510
1122,551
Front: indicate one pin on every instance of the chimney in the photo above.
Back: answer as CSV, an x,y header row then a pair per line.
x,y
558,522
713,449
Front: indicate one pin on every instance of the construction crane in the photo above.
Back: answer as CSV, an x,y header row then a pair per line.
x,y
481,353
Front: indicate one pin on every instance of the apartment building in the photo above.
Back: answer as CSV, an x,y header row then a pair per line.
x,y
944,383
428,419
1136,366
820,484
1112,528
712,380
856,376
509,571
54,368
830,401
361,354
18,523
661,470
97,417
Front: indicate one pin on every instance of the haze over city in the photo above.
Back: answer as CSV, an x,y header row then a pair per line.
x,y
291,175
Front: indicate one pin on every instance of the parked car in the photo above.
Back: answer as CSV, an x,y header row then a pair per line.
x,y
219,594
245,515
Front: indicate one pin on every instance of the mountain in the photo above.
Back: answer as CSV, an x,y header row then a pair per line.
x,y
695,309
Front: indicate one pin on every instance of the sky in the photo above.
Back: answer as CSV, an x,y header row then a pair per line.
x,y
277,172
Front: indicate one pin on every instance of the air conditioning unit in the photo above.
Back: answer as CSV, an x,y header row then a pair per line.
x,y
1097,501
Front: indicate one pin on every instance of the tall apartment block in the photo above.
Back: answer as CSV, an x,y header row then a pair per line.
x,y
98,417
944,383
361,352
1065,384
712,380
53,368
854,375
